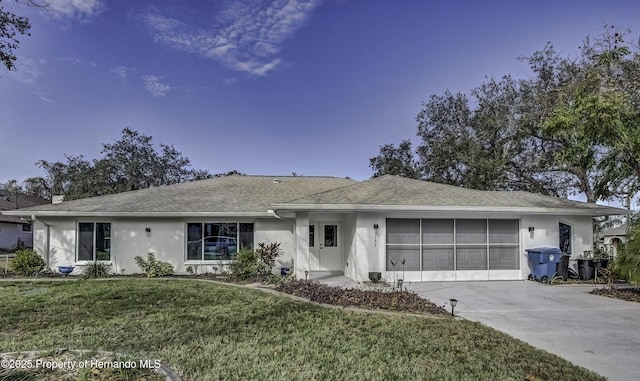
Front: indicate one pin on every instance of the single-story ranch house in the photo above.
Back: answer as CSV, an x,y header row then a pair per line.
x,y
326,225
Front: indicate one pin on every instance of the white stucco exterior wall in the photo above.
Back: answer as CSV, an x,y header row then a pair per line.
x,y
301,244
129,239
363,246
59,246
166,241
349,244
546,233
370,246
275,230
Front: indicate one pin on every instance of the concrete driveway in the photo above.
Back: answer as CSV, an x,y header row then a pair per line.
x,y
598,333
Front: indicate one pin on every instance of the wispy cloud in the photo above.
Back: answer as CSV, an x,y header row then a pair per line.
x,y
155,86
81,10
229,81
248,36
77,61
121,71
28,72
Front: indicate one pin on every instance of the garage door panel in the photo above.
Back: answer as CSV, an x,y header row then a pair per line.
x,y
503,258
410,254
471,258
437,258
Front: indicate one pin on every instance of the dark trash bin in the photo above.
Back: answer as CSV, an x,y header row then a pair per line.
x,y
586,269
543,262
601,264
563,267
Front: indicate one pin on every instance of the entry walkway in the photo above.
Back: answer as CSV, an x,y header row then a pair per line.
x,y
599,333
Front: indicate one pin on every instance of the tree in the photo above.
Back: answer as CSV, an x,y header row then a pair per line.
x,y
395,161
627,262
11,186
130,163
471,147
223,174
480,147
598,115
566,150
10,27
36,186
574,127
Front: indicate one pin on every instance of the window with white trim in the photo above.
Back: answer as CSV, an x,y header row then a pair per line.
x,y
94,241
217,240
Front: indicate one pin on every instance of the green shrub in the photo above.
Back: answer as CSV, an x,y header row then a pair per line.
x,y
247,264
27,263
279,280
96,269
627,262
268,253
152,267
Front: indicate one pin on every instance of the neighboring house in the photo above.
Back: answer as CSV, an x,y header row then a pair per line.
x,y
612,239
16,232
326,225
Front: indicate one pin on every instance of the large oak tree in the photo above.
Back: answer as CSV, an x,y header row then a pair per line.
x,y
130,163
572,127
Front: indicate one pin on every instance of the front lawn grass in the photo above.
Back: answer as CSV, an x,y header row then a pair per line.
x,y
208,331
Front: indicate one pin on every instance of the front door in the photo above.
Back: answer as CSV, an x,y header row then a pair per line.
x,y
325,250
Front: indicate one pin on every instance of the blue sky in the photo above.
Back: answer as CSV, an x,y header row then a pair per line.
x,y
264,87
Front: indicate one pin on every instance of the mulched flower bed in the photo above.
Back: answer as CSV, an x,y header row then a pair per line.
x,y
628,294
398,301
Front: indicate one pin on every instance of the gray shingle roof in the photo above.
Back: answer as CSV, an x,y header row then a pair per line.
x,y
621,230
256,195
399,191
12,201
228,194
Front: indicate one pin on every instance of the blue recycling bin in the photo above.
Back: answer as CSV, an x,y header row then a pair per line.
x,y
543,262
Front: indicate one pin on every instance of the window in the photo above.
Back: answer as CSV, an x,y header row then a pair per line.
x,y
216,241
330,235
452,244
94,241
26,227
312,235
